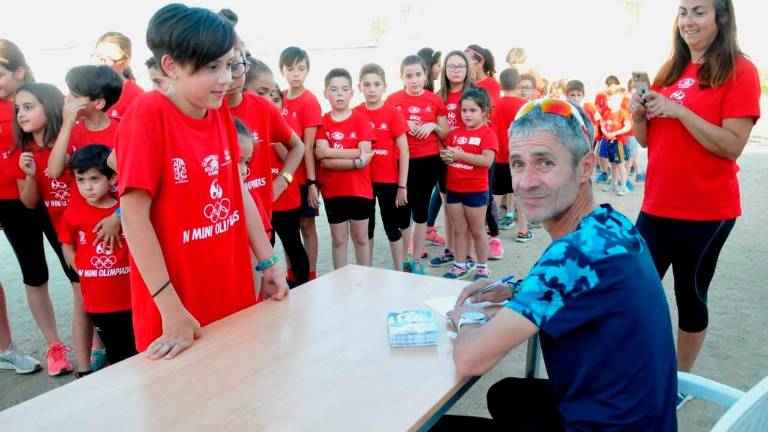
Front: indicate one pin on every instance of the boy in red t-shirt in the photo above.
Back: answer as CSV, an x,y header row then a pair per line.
x,y
615,123
303,114
103,269
344,151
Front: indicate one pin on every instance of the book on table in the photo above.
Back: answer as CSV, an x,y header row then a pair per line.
x,y
410,328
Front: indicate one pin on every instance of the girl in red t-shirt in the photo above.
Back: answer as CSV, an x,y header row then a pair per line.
x,y
38,122
483,68
428,124
113,49
469,154
188,220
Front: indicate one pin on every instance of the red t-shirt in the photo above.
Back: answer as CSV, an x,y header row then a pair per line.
x,y
601,104
189,168
614,120
594,117
493,88
302,112
505,113
346,134
290,199
464,177
8,187
103,273
82,136
686,181
387,124
267,124
56,194
130,92
425,108
453,110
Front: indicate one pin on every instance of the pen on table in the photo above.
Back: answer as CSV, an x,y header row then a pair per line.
x,y
502,281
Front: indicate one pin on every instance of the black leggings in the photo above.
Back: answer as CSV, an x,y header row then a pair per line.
x,y
393,217
692,249
286,225
515,404
423,174
490,211
116,331
24,229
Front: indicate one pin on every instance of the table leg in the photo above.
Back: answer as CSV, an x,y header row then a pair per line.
x,y
532,357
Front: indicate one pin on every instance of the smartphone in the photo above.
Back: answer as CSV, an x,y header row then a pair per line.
x,y
642,83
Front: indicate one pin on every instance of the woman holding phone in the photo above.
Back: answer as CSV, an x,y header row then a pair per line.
x,y
700,109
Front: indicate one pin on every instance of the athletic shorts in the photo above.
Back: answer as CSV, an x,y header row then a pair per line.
x,y
469,199
305,210
343,209
616,152
502,179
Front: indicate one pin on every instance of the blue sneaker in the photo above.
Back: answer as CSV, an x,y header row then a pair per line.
x,y
417,268
640,178
456,272
630,186
506,223
444,259
602,178
98,359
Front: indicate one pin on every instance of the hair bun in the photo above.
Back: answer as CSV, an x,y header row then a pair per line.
x,y
229,15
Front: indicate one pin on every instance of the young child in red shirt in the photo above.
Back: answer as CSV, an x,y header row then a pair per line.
x,y
302,111
470,152
428,124
187,217
389,168
343,148
615,124
102,269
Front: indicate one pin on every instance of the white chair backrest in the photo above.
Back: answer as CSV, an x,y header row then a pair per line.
x,y
749,414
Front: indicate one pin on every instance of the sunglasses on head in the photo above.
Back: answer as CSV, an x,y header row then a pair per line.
x,y
555,106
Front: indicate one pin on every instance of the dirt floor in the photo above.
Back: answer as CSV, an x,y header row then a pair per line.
x,y
735,353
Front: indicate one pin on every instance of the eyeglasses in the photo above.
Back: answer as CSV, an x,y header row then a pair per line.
x,y
555,106
105,59
239,69
456,67
527,88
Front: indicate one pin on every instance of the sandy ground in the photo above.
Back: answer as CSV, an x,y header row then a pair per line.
x,y
735,353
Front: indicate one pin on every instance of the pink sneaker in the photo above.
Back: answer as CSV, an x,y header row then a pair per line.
x,y
58,364
434,237
495,248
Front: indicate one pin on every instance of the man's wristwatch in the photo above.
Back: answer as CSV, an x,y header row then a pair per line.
x,y
471,318
311,182
287,176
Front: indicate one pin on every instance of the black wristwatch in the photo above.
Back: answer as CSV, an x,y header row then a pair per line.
x,y
311,182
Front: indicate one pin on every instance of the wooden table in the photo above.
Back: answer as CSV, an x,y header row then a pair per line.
x,y
320,360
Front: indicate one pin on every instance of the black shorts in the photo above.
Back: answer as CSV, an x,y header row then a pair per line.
x,y
423,174
343,209
393,217
468,199
305,210
24,229
502,179
116,331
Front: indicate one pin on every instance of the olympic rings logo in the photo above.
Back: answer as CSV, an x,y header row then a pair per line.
x,y
102,262
217,211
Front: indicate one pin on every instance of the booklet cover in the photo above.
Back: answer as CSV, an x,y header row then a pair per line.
x,y
412,328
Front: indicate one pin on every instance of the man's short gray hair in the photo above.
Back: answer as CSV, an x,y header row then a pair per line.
x,y
568,131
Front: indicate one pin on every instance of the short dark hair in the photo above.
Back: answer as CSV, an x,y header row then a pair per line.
x,y
151,63
190,35
574,85
95,82
241,128
479,96
413,59
337,73
91,156
528,77
612,79
256,68
52,101
373,68
509,79
292,55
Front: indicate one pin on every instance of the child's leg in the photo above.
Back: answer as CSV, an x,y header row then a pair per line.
x,y
116,329
286,224
448,226
359,230
387,197
435,202
621,175
5,326
309,235
82,331
42,311
522,220
475,217
339,239
460,235
615,173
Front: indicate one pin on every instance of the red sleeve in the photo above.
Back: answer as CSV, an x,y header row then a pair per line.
x,y
278,127
140,147
364,129
743,99
65,230
313,115
441,110
397,124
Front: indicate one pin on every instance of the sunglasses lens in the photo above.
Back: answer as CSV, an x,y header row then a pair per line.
x,y
556,106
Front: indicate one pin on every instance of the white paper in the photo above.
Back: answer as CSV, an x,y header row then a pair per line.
x,y
443,305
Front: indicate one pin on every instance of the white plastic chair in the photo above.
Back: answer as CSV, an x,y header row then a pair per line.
x,y
747,412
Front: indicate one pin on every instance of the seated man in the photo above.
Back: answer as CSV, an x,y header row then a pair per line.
x,y
594,296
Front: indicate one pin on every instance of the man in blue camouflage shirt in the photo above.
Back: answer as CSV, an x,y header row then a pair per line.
x,y
594,297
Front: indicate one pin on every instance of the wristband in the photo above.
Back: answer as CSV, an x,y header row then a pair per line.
x,y
361,162
354,163
267,263
118,212
401,187
165,285
311,182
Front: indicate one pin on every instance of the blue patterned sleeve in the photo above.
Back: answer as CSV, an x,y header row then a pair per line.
x,y
562,273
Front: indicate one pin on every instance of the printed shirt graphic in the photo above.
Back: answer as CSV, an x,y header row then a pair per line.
x,y
267,125
687,194
302,112
453,110
130,92
346,134
189,168
387,124
604,324
422,109
464,177
9,156
104,273
56,194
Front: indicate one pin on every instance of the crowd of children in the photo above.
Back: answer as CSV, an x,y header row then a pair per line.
x,y
195,180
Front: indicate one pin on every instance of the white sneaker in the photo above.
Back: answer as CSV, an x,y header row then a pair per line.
x,y
610,188
11,358
622,191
